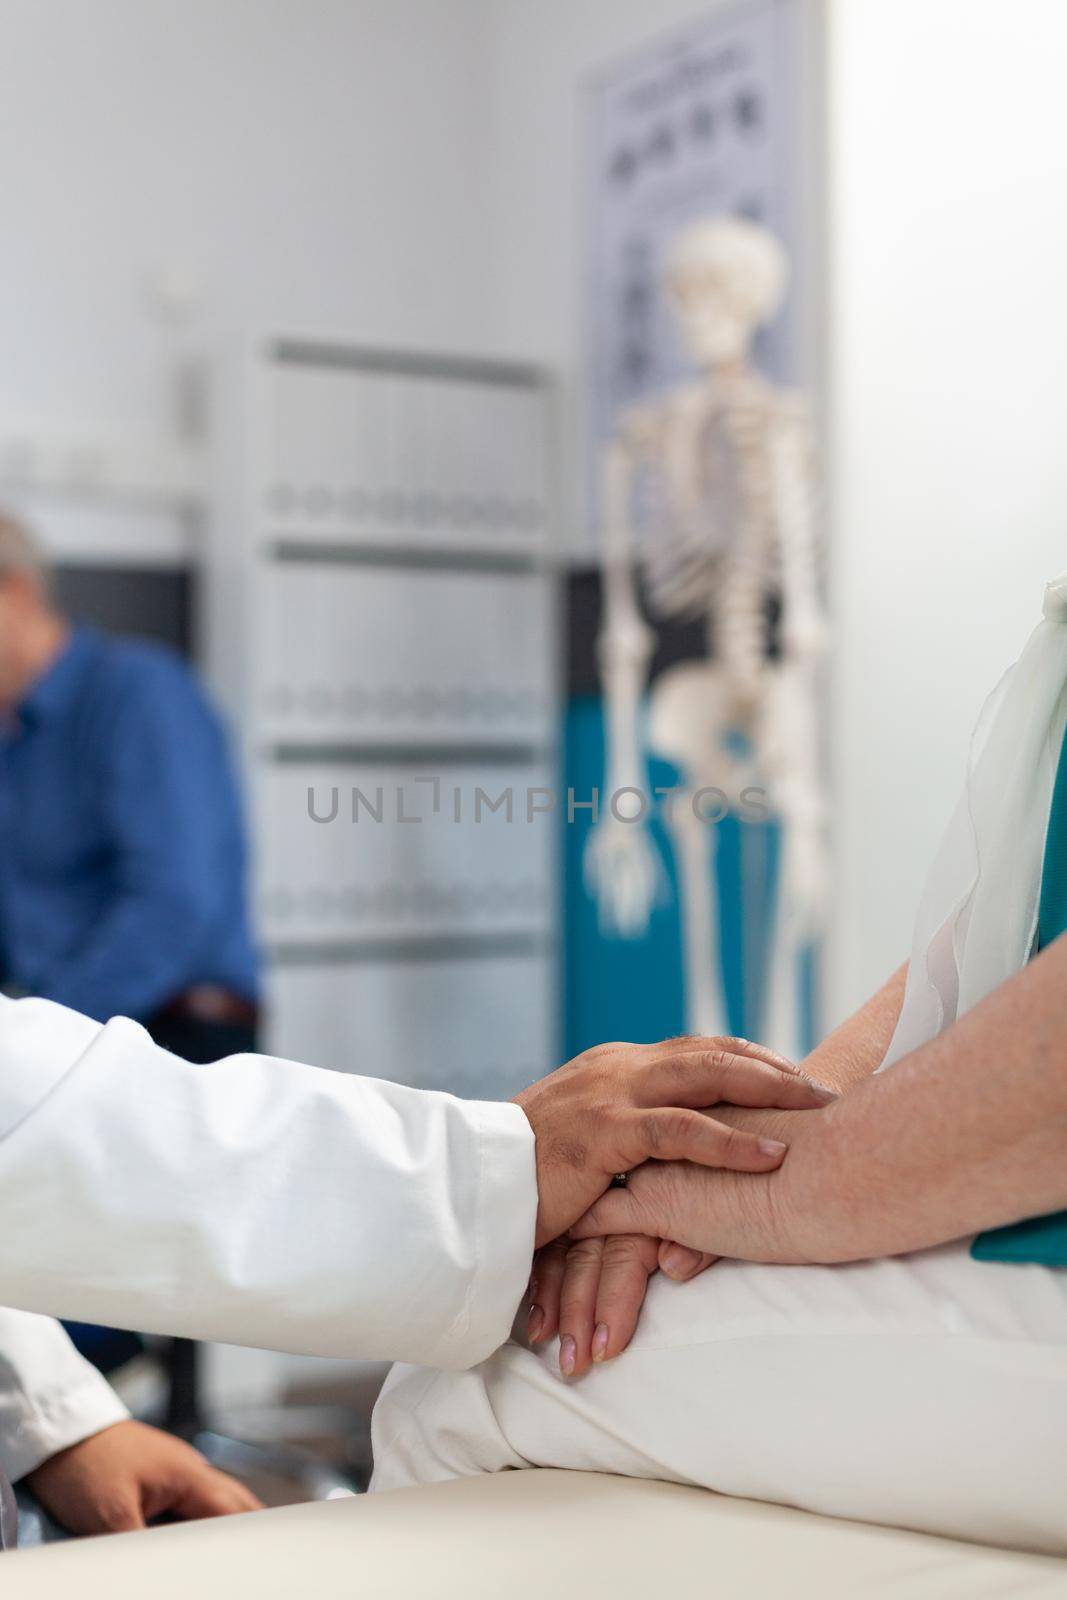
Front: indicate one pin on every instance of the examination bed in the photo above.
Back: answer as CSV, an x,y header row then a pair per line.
x,y
543,1534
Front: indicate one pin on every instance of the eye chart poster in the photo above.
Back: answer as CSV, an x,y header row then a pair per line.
x,y
702,122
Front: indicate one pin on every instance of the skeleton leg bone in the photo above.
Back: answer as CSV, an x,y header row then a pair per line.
x,y
781,1026
694,844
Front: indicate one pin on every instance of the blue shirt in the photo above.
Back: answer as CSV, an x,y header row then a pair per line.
x,y
122,851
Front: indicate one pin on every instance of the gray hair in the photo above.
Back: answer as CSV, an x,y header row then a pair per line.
x,y
21,550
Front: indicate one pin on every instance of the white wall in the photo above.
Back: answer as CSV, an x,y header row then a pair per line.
x,y
949,376
312,163
316,161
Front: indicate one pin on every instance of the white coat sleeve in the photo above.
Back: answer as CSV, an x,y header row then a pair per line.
x,y
255,1201
50,1396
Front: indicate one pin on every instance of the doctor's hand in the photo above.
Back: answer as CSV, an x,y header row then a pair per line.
x,y
129,1474
618,1105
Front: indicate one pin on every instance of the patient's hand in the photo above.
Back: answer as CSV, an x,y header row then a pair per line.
x,y
748,1217
591,1292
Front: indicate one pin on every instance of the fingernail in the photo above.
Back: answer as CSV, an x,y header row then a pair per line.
x,y
772,1147
600,1341
568,1352
674,1261
822,1093
535,1324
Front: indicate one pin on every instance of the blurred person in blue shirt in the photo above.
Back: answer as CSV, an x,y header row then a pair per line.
x,y
122,848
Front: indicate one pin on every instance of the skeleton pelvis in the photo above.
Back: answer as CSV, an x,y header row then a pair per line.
x,y
698,721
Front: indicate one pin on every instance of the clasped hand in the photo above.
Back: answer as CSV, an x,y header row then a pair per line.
x,y
608,1111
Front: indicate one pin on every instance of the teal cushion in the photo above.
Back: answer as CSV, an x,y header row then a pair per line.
x,y
1041,1239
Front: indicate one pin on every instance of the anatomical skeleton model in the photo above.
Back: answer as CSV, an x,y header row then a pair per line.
x,y
727,464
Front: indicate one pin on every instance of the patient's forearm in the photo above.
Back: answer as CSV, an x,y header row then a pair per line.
x,y
853,1051
845,1057
967,1133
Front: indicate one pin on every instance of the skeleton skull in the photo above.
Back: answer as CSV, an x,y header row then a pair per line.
x,y
725,278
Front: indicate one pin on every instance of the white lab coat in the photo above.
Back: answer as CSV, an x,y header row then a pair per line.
x,y
50,1396
255,1201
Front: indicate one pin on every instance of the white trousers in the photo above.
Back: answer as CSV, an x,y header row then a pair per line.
x,y
928,1392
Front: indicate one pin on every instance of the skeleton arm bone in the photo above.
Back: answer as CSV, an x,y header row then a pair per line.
x,y
622,869
799,796
794,485
625,643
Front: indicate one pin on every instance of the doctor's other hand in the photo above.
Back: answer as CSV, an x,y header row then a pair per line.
x,y
618,1105
129,1474
590,1292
